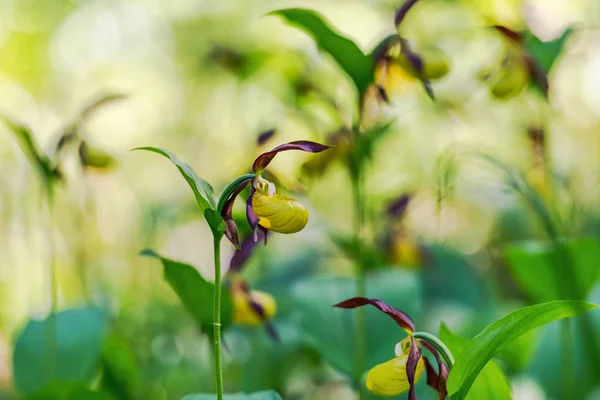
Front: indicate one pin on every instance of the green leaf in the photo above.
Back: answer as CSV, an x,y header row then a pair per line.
x,y
120,370
546,53
491,383
68,391
30,148
533,265
331,331
346,53
195,292
266,395
496,336
202,189
65,347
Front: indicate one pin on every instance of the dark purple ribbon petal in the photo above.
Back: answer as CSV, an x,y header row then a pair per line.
x,y
243,253
435,380
264,159
398,206
250,215
401,318
411,367
265,137
230,228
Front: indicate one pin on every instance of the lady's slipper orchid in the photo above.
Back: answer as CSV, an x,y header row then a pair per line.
x,y
265,209
401,373
251,307
398,245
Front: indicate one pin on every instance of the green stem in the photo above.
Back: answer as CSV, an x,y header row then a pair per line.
x,y
361,290
439,346
217,319
231,188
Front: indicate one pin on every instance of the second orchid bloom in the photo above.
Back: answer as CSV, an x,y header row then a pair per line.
x,y
401,373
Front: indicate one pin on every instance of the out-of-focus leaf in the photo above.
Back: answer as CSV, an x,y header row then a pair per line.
x,y
202,190
195,292
65,347
491,383
119,367
533,265
546,53
369,256
69,391
266,395
30,148
450,277
331,331
345,52
494,337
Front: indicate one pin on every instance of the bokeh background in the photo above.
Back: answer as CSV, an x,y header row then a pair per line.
x,y
203,79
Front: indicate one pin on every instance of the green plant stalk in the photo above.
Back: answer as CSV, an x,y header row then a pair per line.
x,y
217,319
439,346
52,335
567,359
361,289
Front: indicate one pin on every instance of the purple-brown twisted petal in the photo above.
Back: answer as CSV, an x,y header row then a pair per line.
x,y
401,318
265,136
411,366
264,159
398,206
434,379
230,228
243,253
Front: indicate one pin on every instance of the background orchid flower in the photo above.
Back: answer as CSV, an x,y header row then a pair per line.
x,y
251,307
265,209
401,373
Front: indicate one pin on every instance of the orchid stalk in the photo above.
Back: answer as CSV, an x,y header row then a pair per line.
x,y
266,211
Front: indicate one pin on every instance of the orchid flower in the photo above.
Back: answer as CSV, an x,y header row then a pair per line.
x,y
266,210
401,373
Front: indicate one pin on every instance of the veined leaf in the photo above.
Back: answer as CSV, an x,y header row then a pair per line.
x,y
345,52
491,383
202,190
195,292
496,336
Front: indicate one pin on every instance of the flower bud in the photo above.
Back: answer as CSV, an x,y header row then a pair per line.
x,y
279,213
389,378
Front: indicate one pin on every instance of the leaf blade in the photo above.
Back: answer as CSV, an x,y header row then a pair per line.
x,y
195,292
203,191
500,333
346,53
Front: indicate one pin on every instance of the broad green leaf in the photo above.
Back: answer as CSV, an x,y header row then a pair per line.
x,y
546,53
202,189
491,383
331,331
345,52
65,347
533,265
195,292
266,395
496,336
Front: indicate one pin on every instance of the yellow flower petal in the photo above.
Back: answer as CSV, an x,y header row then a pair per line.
x,y
389,378
279,213
245,314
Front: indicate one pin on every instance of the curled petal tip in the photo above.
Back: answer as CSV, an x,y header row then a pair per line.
x,y
264,159
402,319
